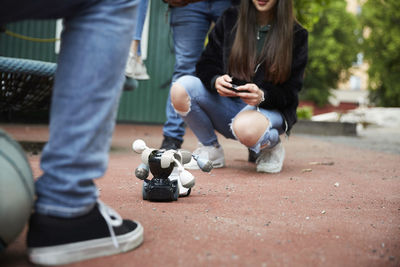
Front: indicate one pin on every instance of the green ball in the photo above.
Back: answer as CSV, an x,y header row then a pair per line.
x,y
17,191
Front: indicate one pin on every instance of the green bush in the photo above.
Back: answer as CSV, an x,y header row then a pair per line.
x,y
333,47
382,50
304,112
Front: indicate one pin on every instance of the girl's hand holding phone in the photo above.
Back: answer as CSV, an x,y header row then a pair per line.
x,y
249,93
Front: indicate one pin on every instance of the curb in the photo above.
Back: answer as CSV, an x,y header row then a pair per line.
x,y
325,128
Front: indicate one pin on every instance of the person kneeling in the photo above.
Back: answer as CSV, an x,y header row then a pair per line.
x,y
247,82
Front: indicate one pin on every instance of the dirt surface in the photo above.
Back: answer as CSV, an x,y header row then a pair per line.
x,y
333,204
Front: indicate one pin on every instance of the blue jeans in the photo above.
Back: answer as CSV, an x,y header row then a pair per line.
x,y
211,112
190,25
141,16
87,87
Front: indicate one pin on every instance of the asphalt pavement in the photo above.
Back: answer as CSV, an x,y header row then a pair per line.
x,y
335,203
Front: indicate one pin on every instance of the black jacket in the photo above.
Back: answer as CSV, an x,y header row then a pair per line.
x,y
283,97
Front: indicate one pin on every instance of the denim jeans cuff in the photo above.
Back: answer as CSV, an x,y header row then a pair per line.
x,y
64,212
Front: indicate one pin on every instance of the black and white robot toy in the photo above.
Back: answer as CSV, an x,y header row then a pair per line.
x,y
170,180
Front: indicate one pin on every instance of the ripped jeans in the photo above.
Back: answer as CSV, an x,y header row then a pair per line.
x,y
211,112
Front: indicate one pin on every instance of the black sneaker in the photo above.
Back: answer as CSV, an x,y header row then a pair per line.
x,y
101,232
253,156
171,143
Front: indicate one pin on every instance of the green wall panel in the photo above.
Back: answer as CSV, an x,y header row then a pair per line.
x,y
14,47
147,102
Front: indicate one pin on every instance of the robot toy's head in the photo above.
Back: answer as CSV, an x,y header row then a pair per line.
x,y
155,165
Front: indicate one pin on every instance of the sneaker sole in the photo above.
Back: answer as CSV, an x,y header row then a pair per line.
x,y
79,251
218,164
140,77
269,169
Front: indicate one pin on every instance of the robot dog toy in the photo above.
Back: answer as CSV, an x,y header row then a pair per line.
x,y
170,180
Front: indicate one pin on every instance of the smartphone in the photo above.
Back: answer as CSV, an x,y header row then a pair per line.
x,y
234,88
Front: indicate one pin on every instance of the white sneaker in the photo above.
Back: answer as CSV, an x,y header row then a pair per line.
x,y
212,153
140,71
135,68
271,160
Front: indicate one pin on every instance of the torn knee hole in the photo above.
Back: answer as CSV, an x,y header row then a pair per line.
x,y
180,99
182,112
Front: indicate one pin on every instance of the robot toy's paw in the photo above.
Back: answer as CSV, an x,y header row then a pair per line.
x,y
185,193
142,172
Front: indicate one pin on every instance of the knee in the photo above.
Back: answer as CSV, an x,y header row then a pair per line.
x,y
180,98
249,126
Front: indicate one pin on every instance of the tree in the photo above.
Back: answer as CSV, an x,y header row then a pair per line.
x,y
381,22
308,12
333,47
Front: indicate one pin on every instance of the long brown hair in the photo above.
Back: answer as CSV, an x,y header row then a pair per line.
x,y
277,49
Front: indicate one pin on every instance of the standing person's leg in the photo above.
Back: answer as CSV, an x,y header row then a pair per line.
x,y
69,223
189,25
135,67
141,16
83,108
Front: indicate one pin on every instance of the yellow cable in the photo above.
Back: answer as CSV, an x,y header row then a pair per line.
x,y
33,39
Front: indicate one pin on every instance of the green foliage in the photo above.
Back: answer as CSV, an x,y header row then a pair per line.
x,y
308,12
333,46
305,112
382,50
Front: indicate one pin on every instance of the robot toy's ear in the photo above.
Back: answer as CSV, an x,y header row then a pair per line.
x,y
145,155
185,155
167,158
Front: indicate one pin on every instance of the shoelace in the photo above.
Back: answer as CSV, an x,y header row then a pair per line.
x,y
112,218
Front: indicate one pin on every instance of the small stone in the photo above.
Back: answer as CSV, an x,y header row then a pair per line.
x,y
323,212
336,184
307,218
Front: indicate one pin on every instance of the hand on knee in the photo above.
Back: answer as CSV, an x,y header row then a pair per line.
x,y
180,99
249,126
